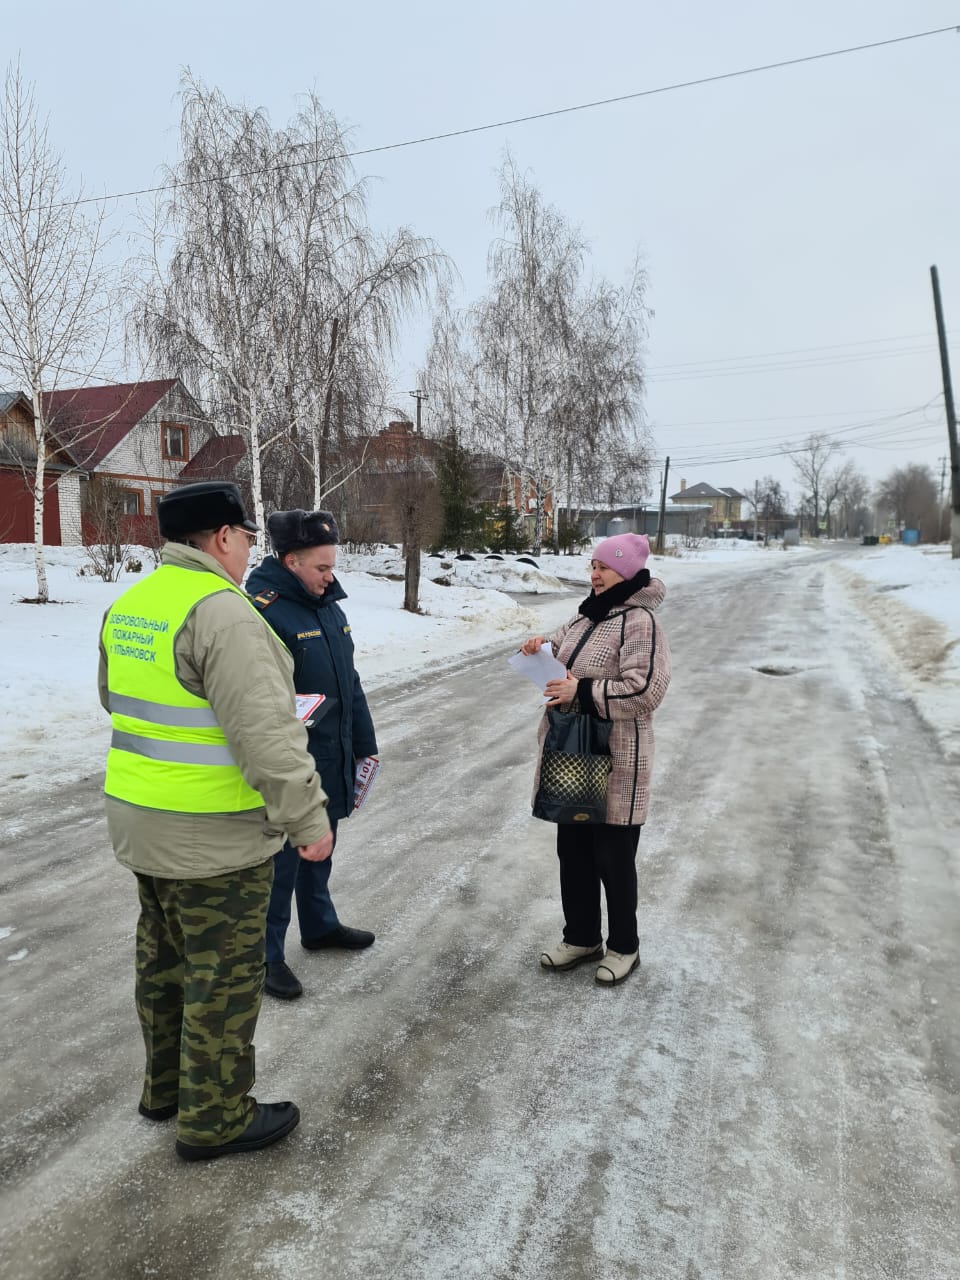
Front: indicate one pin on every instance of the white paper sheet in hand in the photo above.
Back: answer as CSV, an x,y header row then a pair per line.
x,y
538,667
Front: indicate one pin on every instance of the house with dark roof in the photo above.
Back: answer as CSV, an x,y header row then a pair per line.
x,y
724,503
143,436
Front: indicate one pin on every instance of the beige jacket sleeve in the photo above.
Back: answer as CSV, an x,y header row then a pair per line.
x,y
226,653
102,687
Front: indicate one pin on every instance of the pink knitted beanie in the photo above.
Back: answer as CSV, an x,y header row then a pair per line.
x,y
625,553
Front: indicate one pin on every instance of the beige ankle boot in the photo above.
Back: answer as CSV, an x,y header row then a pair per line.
x,y
564,956
616,967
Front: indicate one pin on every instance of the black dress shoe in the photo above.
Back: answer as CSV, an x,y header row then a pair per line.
x,y
273,1121
342,936
158,1113
282,982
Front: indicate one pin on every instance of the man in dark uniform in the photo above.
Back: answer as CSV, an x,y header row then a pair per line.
x,y
297,593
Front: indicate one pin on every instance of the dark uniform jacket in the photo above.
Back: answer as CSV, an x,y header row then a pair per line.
x,y
316,631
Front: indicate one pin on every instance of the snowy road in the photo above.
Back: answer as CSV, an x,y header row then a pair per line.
x,y
775,1094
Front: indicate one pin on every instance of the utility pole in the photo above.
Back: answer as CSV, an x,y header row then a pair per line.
x,y
419,396
943,478
951,419
663,508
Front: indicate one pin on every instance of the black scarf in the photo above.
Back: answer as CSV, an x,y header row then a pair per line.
x,y
596,607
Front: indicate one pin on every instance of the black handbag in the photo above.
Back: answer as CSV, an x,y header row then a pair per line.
x,y
575,764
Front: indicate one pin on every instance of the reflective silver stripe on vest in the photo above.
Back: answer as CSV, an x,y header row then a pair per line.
x,y
175,752
160,713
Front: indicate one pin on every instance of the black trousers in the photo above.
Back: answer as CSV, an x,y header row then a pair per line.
x,y
591,856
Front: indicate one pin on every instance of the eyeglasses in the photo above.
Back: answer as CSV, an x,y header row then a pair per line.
x,y
250,537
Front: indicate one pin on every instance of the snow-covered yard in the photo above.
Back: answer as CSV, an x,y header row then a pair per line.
x,y
53,723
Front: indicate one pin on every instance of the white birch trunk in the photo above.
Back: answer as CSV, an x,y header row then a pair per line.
x,y
318,495
43,590
539,524
256,481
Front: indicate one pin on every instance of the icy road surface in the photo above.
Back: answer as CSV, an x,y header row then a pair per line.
x,y
774,1094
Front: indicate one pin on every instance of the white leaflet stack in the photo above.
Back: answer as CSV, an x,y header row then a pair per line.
x,y
367,770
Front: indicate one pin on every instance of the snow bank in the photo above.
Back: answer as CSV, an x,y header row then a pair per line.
x,y
911,595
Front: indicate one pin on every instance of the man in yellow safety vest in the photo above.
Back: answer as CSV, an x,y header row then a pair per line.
x,y
208,770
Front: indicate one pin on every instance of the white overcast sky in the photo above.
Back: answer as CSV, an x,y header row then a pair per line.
x,y
781,212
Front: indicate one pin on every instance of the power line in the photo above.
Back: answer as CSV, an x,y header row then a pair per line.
x,y
766,449
897,446
704,455
797,351
788,366
540,115
742,422
712,461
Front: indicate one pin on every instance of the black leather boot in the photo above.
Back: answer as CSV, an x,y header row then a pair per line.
x,y
273,1121
282,982
343,937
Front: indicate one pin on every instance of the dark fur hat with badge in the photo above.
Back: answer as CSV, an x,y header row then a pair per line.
x,y
196,508
296,530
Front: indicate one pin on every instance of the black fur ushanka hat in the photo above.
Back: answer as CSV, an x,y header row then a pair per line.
x,y
296,530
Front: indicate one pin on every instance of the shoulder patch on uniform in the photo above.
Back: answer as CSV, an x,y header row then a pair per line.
x,y
265,598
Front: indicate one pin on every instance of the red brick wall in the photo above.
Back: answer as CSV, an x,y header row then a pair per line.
x,y
134,530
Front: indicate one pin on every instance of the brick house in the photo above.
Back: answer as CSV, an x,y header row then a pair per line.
x,y
397,452
500,485
141,435
392,458
725,503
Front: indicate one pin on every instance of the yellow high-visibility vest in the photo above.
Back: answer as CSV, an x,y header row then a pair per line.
x,y
167,750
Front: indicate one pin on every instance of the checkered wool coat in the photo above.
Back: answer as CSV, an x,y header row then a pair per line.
x,y
626,660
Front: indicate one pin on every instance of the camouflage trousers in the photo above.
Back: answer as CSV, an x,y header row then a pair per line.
x,y
199,983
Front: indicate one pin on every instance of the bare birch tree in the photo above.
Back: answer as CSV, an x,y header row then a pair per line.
x,y
54,292
603,448
524,332
545,371
276,297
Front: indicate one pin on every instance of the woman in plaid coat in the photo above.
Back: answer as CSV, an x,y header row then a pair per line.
x,y
620,671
